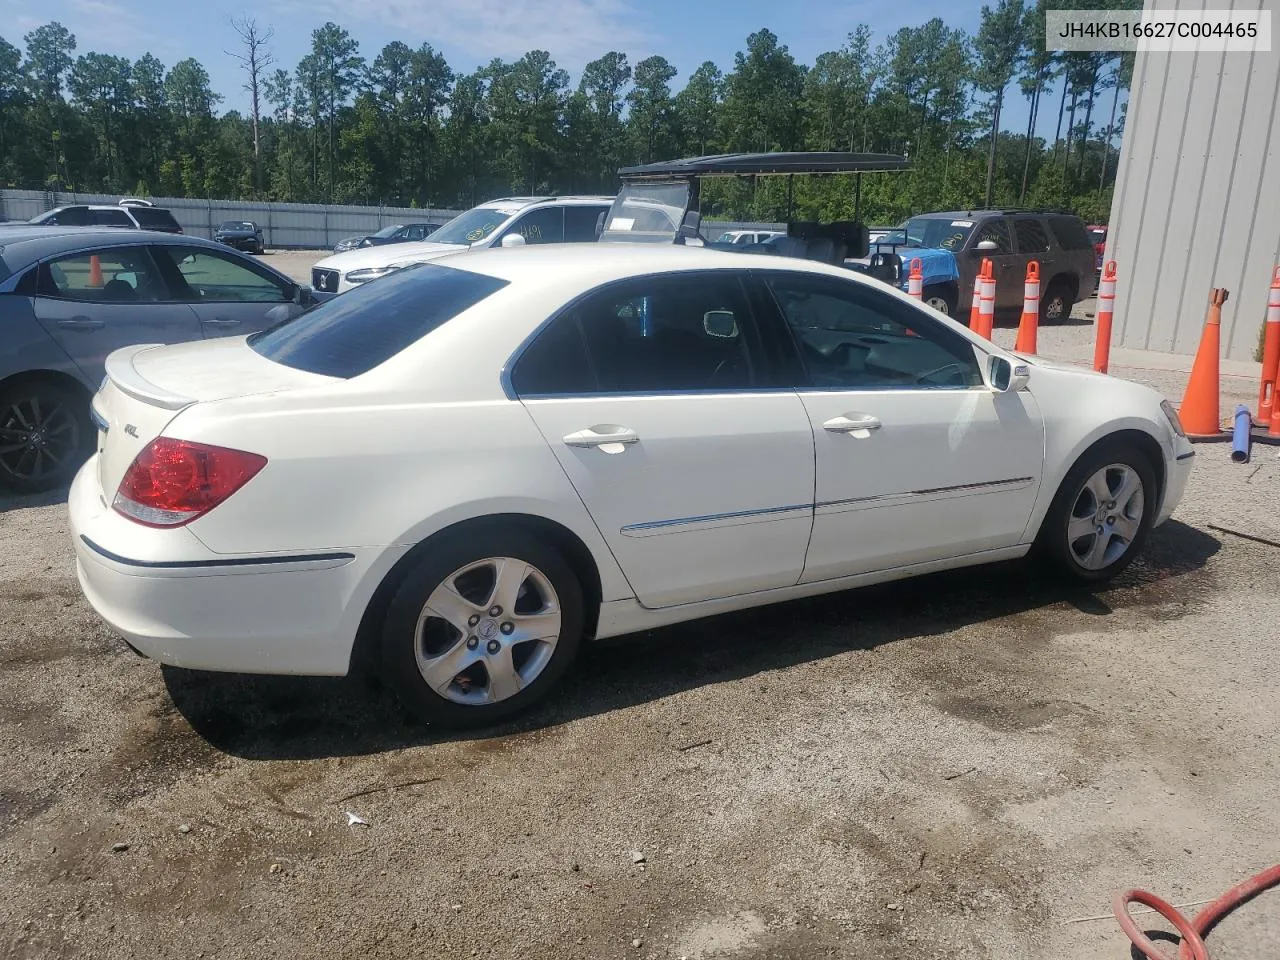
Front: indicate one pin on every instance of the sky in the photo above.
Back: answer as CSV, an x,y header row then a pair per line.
x,y
471,32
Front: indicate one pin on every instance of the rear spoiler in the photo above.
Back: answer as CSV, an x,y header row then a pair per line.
x,y
121,372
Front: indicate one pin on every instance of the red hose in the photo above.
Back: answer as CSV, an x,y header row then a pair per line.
x,y
1193,931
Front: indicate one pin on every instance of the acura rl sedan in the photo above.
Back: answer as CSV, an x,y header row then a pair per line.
x,y
463,470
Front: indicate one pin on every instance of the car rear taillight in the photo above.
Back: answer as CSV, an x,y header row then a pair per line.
x,y
171,482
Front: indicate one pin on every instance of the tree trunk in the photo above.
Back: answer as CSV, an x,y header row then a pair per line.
x,y
1057,133
257,145
1071,122
1106,144
991,154
1088,122
1031,130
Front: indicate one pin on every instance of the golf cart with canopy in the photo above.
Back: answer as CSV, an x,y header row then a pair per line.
x,y
659,203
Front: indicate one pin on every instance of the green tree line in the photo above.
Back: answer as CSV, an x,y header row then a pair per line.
x,y
403,127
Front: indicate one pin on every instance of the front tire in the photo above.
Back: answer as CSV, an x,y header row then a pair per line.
x,y
45,435
1102,513
483,626
941,299
1056,304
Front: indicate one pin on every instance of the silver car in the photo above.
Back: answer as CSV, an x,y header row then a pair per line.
x,y
71,295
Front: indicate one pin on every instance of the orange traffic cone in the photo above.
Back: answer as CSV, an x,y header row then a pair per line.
x,y
1270,354
1030,322
987,310
95,271
1106,311
1199,410
976,309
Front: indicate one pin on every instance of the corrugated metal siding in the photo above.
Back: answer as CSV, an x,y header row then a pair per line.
x,y
1197,202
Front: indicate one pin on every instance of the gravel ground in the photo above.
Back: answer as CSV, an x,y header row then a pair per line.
x,y
952,767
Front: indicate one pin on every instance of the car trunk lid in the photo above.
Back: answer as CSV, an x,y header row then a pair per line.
x,y
149,385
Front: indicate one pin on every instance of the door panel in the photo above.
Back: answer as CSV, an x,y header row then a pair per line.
x,y
946,473
710,496
92,304
1010,268
916,457
661,405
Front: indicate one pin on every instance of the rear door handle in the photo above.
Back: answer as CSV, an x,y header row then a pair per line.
x,y
854,424
601,436
81,323
222,322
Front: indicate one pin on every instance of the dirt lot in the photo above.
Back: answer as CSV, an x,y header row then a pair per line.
x,y
952,767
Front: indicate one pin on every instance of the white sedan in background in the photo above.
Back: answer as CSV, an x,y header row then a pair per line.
x,y
463,470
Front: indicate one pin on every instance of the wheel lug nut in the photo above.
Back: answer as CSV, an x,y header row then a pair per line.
x,y
494,646
473,642
473,619
508,627
495,611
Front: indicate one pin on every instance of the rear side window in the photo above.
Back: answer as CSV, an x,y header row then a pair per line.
x,y
1070,233
107,275
580,223
151,218
1031,235
661,334
111,218
353,333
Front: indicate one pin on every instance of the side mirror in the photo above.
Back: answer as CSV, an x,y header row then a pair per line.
x,y
512,240
987,246
1008,376
690,227
304,297
720,323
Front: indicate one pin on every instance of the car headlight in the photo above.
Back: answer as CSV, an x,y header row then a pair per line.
x,y
369,273
1171,414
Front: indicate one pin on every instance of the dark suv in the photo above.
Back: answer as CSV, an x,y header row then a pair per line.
x,y
1009,239
130,216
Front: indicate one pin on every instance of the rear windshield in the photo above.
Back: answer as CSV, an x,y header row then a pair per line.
x,y
353,333
1070,233
150,218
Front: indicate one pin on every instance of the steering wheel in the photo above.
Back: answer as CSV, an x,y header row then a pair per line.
x,y
954,366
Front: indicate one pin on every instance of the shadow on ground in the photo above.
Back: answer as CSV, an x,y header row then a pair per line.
x,y
274,718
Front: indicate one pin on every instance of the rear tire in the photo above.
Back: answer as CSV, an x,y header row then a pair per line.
x,y
1101,515
45,435
483,626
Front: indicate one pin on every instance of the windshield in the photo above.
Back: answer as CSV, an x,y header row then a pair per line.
x,y
647,213
938,232
472,226
235,225
390,231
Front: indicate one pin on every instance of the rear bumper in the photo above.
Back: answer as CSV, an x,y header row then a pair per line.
x,y
178,603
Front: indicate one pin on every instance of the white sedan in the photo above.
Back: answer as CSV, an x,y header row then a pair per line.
x,y
462,470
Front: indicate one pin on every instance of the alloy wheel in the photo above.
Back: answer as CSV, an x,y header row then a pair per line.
x,y
487,631
1106,516
37,438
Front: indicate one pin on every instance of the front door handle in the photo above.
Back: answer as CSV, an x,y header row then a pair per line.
x,y
602,435
222,322
81,323
856,424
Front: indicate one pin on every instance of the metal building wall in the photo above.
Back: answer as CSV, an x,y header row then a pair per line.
x,y
1197,202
